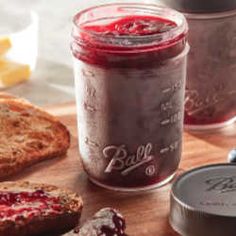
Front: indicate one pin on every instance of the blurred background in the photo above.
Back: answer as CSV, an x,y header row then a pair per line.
x,y
52,80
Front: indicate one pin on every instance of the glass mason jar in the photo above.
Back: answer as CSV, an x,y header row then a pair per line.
x,y
130,70
211,76
211,86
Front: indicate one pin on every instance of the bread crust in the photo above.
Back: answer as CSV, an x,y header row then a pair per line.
x,y
43,225
28,135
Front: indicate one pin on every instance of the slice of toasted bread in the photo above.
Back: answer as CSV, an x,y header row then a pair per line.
x,y
29,209
28,135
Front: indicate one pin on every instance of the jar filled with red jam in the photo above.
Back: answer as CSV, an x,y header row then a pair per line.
x,y
211,76
130,69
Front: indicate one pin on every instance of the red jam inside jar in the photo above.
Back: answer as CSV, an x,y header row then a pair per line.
x,y
17,205
130,71
133,26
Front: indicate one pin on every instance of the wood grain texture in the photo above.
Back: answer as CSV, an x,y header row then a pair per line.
x,y
147,213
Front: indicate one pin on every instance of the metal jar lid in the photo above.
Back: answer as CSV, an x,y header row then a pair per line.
x,y
203,202
201,6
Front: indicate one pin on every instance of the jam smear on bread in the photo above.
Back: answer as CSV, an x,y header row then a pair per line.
x,y
106,222
15,205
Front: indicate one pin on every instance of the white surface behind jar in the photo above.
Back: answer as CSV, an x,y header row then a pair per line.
x,y
52,82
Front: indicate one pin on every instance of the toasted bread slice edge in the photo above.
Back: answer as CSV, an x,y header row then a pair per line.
x,y
16,167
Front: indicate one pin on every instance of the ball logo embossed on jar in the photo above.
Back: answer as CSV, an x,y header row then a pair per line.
x,y
121,160
196,102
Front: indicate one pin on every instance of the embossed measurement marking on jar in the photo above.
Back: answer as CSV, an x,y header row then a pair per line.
x,y
172,119
87,73
90,91
172,88
90,142
90,108
172,147
165,106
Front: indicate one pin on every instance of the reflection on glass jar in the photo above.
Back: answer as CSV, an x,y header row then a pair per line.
x,y
130,70
211,85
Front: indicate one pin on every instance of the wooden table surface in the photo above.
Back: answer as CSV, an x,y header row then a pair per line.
x,y
146,213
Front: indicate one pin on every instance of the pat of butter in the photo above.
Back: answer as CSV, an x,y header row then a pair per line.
x,y
12,73
5,45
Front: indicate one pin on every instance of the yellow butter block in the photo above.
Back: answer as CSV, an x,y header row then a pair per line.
x,y
12,73
5,45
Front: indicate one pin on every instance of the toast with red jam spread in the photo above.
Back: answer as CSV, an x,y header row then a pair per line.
x,y
29,209
28,135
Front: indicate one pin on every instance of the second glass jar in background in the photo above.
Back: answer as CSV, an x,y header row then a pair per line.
x,y
211,76
130,70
